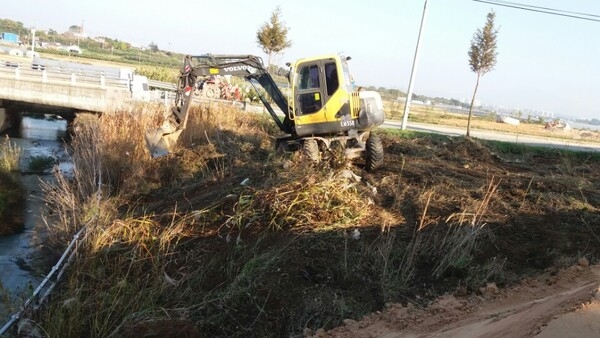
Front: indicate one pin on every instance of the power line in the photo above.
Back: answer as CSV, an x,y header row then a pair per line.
x,y
544,10
547,8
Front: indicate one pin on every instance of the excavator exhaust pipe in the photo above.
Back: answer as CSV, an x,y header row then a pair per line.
x,y
162,141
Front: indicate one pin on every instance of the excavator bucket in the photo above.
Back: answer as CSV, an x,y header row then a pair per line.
x,y
161,141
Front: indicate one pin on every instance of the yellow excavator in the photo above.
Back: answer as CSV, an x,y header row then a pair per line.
x,y
323,108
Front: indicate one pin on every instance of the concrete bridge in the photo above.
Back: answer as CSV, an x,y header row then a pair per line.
x,y
25,89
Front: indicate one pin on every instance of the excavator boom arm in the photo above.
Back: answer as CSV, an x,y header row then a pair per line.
x,y
247,66
161,141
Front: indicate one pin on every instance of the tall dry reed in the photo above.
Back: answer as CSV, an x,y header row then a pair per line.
x,y
10,155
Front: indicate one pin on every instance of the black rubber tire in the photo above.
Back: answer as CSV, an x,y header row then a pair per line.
x,y
373,153
311,151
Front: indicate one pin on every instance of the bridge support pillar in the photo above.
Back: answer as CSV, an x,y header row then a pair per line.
x,y
3,120
9,119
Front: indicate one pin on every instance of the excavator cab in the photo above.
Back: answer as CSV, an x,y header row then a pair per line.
x,y
324,100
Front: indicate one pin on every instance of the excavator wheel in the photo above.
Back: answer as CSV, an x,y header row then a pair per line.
x,y
212,91
373,153
310,150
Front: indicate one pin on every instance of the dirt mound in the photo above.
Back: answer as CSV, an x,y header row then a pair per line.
x,y
466,148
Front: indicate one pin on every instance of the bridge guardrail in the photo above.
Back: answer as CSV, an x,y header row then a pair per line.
x,y
65,77
62,77
162,85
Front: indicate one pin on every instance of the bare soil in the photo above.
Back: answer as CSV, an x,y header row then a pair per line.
x,y
461,238
564,305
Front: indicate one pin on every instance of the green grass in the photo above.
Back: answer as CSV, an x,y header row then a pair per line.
x,y
412,134
41,163
510,148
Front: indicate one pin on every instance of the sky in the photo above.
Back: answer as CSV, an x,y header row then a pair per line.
x,y
545,62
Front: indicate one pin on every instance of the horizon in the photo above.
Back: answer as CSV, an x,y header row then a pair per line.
x,y
545,62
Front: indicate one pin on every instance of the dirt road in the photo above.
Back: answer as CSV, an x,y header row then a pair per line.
x,y
564,305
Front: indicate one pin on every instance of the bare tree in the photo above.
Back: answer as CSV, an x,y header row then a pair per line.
x,y
482,55
272,35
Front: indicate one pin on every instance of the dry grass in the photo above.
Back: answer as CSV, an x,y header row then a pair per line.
x,y
122,256
109,162
308,200
10,155
121,276
136,265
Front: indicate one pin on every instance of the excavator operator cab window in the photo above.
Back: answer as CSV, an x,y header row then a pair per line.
x,y
331,78
309,77
309,94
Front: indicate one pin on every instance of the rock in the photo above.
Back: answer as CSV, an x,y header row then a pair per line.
x,y
489,291
356,234
349,322
350,175
597,294
320,333
583,262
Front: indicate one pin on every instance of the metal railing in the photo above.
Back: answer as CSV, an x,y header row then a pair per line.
x,y
62,77
60,266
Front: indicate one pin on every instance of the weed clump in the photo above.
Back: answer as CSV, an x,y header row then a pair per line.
x,y
10,155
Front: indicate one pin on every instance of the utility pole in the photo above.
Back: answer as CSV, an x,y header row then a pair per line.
x,y
413,71
32,42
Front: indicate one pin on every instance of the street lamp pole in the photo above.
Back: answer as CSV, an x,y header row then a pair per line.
x,y
413,71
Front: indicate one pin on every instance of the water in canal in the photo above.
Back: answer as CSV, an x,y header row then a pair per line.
x,y
22,266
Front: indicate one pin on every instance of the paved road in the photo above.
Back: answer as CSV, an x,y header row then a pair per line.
x,y
498,136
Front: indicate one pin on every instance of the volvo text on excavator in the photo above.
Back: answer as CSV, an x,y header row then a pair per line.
x,y
323,107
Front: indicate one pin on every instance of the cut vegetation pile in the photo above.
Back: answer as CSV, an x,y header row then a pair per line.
x,y
228,237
